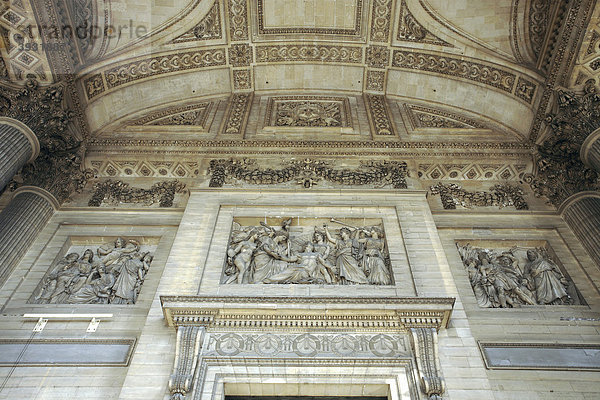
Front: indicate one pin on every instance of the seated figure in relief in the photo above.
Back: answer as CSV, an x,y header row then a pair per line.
x,y
309,268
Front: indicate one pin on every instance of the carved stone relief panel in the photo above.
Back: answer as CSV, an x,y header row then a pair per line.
x,y
287,345
97,270
301,112
323,251
508,275
115,193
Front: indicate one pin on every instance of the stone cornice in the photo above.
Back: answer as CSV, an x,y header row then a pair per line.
x,y
302,313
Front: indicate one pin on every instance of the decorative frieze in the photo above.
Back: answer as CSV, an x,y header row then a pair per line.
x,y
304,53
114,193
208,28
381,20
236,117
471,171
164,64
300,252
144,168
379,116
539,20
308,173
306,345
459,68
501,195
517,276
411,30
238,20
112,273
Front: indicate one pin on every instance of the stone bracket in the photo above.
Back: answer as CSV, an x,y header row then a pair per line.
x,y
186,358
425,346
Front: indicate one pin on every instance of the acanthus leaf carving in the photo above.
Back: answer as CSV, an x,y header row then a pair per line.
x,y
560,171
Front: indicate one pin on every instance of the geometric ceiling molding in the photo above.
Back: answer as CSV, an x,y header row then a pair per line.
x,y
354,31
471,171
495,76
208,28
426,117
21,57
126,72
104,168
189,115
410,30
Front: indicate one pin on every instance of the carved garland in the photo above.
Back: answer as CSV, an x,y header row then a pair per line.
x,y
502,195
308,172
116,192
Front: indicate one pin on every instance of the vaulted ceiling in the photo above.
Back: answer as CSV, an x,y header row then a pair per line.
x,y
490,63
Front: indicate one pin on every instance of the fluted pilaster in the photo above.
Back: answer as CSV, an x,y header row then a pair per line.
x,y
20,223
18,146
582,213
590,151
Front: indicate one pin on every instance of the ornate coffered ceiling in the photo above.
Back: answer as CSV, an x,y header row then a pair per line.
x,y
385,76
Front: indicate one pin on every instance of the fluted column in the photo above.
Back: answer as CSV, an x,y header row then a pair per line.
x,y
582,213
590,150
20,223
18,146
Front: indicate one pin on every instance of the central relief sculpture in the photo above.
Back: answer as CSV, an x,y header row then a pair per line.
x,y
328,252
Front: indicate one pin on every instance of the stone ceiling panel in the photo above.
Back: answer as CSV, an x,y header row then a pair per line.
x,y
486,22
